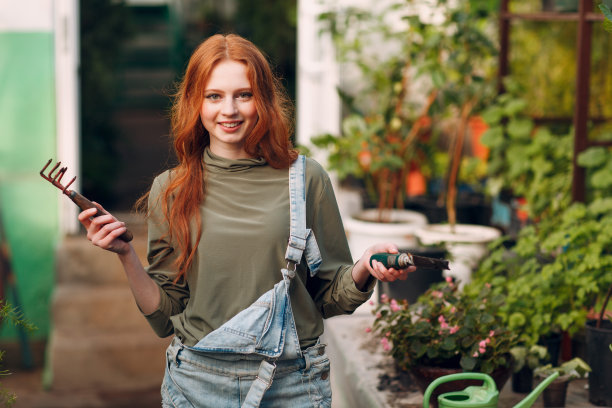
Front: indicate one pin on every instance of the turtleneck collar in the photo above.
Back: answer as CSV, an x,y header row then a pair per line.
x,y
218,163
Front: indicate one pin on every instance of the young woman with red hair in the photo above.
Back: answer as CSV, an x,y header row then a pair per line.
x,y
235,272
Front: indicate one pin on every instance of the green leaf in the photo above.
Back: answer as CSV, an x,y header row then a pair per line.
x,y
468,363
449,343
493,137
593,157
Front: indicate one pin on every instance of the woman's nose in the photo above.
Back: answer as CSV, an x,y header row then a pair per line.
x,y
229,107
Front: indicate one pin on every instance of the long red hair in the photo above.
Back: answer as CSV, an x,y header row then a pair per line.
x,y
269,138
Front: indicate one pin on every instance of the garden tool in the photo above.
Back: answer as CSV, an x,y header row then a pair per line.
x,y
485,396
77,198
404,260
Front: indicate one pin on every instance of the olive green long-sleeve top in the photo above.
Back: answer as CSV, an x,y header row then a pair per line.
x,y
245,230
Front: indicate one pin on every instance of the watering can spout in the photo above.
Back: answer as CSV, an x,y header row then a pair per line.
x,y
533,396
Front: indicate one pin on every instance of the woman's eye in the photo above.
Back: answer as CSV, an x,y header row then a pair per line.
x,y
213,97
245,95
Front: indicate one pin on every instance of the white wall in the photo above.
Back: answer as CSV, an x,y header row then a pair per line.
x,y
66,27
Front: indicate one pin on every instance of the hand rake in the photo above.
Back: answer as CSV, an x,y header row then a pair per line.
x,y
77,198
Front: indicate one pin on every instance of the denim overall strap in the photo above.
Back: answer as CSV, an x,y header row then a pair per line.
x,y
301,239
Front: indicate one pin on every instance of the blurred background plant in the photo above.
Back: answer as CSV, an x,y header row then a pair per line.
x,y
557,267
11,315
424,72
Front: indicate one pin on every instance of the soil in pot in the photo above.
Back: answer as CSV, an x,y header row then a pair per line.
x,y
599,357
418,281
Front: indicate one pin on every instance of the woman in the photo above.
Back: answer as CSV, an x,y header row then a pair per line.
x,y
247,253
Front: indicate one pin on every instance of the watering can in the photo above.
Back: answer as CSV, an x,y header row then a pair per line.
x,y
485,396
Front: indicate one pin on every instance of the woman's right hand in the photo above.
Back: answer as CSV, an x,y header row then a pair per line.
x,y
104,231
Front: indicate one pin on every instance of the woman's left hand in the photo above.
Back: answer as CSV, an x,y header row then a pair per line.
x,y
362,269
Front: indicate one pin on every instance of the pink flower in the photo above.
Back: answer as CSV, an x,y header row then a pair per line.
x,y
387,334
487,340
449,279
378,315
475,354
491,333
444,325
453,309
454,329
482,344
371,303
384,298
441,319
438,294
482,350
488,285
394,306
385,344
368,330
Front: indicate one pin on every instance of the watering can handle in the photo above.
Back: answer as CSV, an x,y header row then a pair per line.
x,y
456,377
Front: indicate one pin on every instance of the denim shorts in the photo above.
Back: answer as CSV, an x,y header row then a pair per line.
x,y
197,379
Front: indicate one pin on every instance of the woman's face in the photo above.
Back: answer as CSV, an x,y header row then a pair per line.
x,y
228,112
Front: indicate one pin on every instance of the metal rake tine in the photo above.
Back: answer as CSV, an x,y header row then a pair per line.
x,y
60,174
42,172
53,169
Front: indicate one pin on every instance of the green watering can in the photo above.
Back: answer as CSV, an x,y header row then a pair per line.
x,y
485,396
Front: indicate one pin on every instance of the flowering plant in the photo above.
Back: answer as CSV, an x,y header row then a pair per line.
x,y
446,328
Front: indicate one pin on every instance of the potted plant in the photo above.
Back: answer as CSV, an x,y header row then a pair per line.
x,y
558,264
526,359
446,331
555,393
599,334
420,79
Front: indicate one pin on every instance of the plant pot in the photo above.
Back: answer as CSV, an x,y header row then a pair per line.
x,y
599,357
554,394
425,375
418,281
472,208
467,245
363,229
552,342
522,380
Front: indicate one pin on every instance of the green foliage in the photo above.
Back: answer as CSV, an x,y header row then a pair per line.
x,y
446,328
415,75
560,263
569,370
10,315
528,356
605,9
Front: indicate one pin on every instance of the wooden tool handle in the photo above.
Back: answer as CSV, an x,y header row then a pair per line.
x,y
85,204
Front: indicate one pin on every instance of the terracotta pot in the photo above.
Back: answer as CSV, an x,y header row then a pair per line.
x,y
425,375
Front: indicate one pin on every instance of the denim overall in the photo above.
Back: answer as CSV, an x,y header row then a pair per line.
x,y
247,351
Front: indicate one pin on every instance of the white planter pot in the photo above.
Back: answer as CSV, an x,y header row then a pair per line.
x,y
467,245
400,229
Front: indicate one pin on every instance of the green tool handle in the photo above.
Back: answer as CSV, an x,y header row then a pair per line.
x,y
85,204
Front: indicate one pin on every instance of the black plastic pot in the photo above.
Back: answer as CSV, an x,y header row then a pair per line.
x,y
599,357
552,342
522,380
418,281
